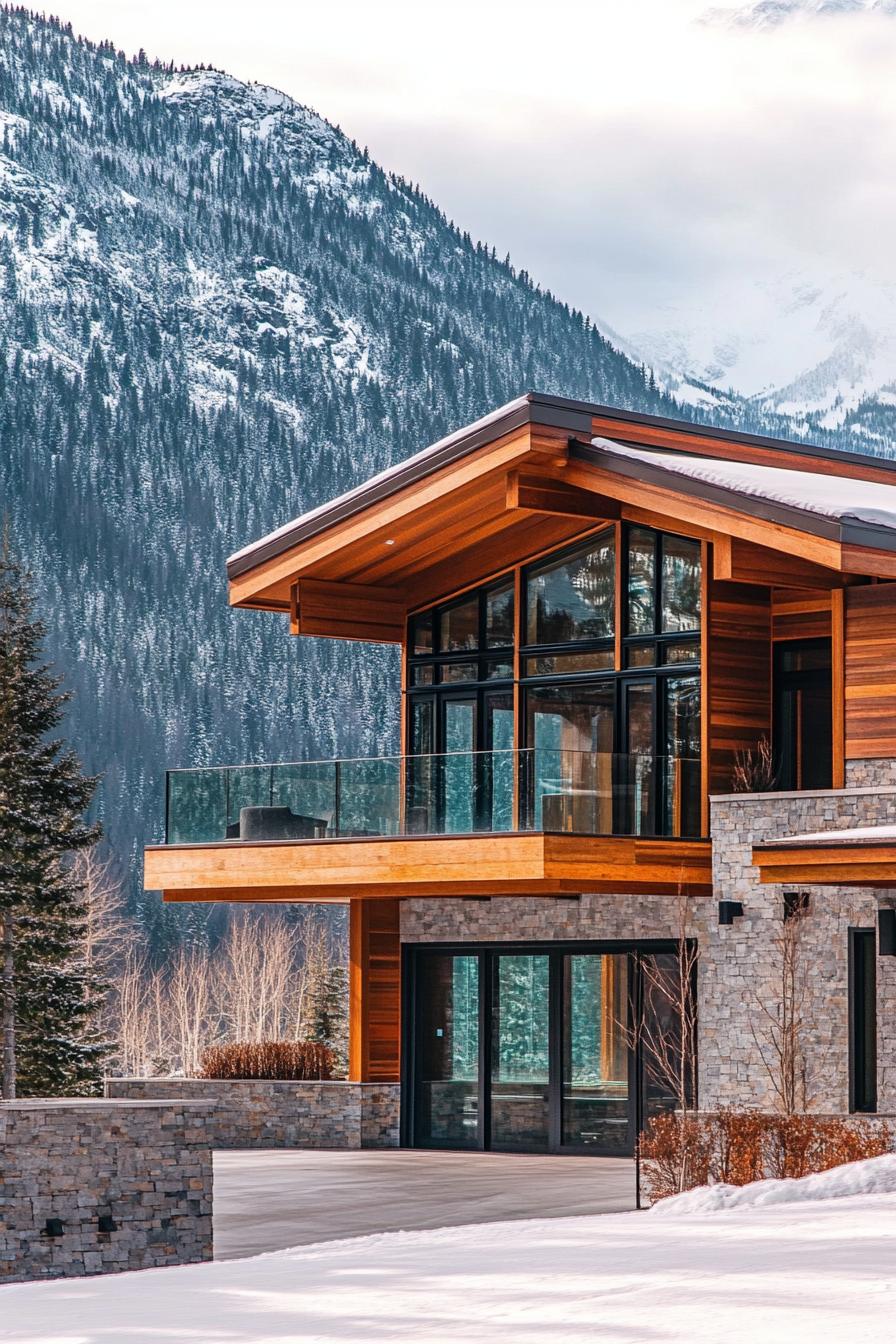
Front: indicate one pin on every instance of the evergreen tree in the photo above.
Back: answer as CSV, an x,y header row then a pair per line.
x,y
48,995
328,1010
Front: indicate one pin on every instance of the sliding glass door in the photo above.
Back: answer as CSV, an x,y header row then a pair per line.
x,y
534,1049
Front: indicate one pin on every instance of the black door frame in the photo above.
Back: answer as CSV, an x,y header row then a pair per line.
x,y
556,950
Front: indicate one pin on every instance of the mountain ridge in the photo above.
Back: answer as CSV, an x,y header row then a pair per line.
x,y
217,313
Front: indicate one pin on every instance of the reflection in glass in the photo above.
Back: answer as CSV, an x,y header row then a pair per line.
x,y
640,655
458,766
682,651
197,806
422,675
421,633
499,616
595,1111
641,581
570,729
497,769
447,1054
682,752
573,598
559,664
453,672
498,670
520,1054
661,1034
681,584
638,798
459,626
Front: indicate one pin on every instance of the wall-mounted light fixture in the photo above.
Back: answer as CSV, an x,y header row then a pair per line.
x,y
54,1227
729,911
106,1223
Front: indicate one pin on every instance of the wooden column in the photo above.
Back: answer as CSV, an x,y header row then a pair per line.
x,y
374,992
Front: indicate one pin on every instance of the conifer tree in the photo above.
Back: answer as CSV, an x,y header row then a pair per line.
x,y
47,995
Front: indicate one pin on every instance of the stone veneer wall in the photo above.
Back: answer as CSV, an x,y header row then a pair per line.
x,y
147,1165
254,1113
737,967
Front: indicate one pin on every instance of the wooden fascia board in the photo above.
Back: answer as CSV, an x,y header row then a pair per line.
x,y
848,865
388,513
702,514
503,863
688,440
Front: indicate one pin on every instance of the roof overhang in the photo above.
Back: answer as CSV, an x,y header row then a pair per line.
x,y
862,857
523,480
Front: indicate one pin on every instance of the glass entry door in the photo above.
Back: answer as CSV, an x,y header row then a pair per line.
x,y
520,1054
596,1039
531,1049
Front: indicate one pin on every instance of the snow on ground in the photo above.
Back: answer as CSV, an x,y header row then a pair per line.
x,y
822,1270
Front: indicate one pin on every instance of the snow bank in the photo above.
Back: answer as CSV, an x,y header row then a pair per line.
x,y
874,1176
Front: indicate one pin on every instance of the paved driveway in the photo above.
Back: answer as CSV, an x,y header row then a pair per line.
x,y
266,1201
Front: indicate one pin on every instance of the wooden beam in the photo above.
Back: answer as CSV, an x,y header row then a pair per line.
x,y
539,494
349,611
374,1033
744,562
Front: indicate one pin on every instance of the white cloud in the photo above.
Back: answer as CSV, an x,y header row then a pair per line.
x,y
628,154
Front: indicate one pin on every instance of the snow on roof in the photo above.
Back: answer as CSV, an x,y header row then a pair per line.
x,y
841,498
859,835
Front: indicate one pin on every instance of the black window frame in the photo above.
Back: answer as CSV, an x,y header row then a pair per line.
x,y
862,992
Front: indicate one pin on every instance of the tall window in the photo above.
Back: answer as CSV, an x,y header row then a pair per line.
x,y
862,1020
603,748
614,749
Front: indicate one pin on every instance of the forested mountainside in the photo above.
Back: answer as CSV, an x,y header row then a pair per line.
x,y
216,312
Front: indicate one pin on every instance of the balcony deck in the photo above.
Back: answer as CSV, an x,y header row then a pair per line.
x,y
493,864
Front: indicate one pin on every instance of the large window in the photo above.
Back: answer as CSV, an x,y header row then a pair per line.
x,y
614,749
607,718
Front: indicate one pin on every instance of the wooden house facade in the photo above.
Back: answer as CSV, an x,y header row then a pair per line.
x,y
633,653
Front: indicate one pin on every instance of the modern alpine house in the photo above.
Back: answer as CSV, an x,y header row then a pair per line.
x,y
648,680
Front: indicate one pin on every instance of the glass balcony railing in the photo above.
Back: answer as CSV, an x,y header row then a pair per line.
x,y
457,793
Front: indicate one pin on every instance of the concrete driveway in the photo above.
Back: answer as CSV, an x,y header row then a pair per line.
x,y
266,1201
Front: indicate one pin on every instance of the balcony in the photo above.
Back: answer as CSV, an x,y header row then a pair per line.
x,y
535,822
458,793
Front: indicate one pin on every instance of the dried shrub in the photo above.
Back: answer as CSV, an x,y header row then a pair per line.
x,y
680,1152
287,1060
754,771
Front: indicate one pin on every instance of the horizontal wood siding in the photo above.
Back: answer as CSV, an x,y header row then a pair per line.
x,y
740,701
374,992
870,671
799,613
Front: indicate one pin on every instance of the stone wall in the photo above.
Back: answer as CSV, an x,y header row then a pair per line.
x,y
145,1166
740,963
254,1113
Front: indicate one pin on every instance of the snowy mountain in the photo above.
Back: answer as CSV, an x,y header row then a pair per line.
x,y
215,312
822,354
772,13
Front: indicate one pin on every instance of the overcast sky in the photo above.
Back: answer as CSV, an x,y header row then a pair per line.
x,y
631,157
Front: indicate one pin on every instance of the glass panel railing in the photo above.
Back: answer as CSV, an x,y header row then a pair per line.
x,y
455,793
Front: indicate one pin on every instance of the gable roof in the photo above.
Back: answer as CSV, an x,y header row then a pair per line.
x,y
557,412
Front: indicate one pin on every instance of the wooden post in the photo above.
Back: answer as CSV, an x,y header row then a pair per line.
x,y
374,1034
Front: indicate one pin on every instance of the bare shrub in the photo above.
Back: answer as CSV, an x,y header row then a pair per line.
x,y
737,1147
268,1059
778,1021
754,770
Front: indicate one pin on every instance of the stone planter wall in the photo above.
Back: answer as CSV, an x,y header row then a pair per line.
x,y
250,1113
147,1166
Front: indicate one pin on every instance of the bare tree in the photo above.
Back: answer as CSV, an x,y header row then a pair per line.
x,y
108,931
778,1020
